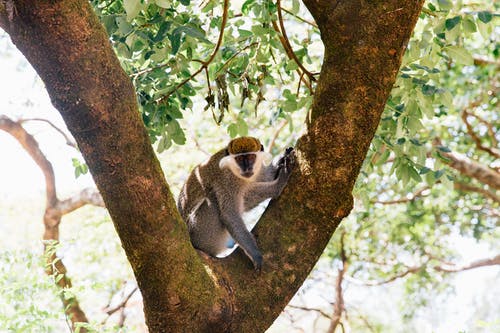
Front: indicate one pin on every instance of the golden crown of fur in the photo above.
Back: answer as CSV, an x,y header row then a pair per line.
x,y
246,144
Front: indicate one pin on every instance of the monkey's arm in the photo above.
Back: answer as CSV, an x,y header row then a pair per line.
x,y
231,218
277,178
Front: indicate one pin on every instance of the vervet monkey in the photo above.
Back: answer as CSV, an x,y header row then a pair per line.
x,y
232,181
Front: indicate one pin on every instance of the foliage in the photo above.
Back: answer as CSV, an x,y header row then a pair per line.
x,y
407,225
166,45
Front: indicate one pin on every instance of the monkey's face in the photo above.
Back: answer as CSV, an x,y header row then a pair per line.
x,y
246,164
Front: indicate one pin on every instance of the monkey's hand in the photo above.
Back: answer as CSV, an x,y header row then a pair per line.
x,y
284,169
257,261
287,161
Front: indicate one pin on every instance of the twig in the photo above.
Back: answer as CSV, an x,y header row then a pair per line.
x,y
471,188
88,196
313,24
291,55
363,319
409,270
492,151
299,307
69,141
275,135
234,56
110,310
147,70
289,46
338,306
415,195
206,62
493,261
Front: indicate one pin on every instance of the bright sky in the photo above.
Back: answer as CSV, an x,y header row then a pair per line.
x,y
22,95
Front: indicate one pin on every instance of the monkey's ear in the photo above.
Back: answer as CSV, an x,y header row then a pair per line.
x,y
267,158
225,161
261,147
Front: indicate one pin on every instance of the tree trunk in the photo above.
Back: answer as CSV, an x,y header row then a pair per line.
x,y
364,42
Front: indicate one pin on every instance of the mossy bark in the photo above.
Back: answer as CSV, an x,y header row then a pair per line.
x,y
364,42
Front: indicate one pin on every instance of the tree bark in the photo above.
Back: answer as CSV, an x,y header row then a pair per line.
x,y
364,42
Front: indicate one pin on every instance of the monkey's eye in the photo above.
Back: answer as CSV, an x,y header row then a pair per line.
x,y
246,159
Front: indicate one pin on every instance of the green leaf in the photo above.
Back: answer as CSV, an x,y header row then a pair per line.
x,y
259,30
163,3
485,16
162,31
185,2
469,25
428,90
414,174
451,23
445,4
438,174
291,65
295,6
175,42
192,32
232,130
245,33
447,99
460,55
245,8
444,149
164,143
132,8
424,170
242,127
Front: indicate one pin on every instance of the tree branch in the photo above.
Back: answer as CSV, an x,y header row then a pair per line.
x,y
70,142
291,55
470,188
30,145
276,134
122,304
338,306
464,267
288,46
409,270
470,168
312,24
88,196
490,150
409,198
320,311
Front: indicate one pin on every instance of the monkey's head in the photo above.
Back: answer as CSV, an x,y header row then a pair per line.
x,y
244,156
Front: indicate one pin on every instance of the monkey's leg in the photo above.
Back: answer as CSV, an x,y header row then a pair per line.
x,y
238,230
207,232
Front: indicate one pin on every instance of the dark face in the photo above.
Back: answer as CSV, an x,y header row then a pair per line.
x,y
246,163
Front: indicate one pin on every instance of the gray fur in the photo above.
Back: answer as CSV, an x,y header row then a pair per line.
x,y
213,199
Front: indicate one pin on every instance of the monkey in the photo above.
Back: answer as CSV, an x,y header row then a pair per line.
x,y
232,181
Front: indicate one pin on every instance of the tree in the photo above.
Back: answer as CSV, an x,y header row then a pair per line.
x,y
69,49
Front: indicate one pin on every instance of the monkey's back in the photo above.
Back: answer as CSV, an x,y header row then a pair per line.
x,y
197,188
